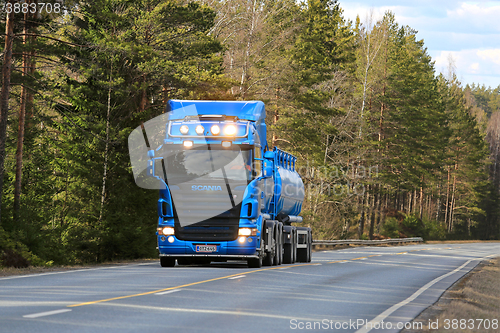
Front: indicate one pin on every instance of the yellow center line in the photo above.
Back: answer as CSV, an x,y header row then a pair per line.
x,y
210,280
177,287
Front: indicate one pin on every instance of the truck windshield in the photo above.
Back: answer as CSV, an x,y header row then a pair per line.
x,y
207,162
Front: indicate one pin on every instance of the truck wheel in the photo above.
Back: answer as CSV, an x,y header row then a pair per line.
x,y
282,240
167,262
255,263
269,259
302,255
279,247
185,261
287,255
269,256
309,248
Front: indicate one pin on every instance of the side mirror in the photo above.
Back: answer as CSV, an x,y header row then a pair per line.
x,y
267,170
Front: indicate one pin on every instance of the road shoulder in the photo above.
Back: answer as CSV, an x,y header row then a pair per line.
x,y
472,304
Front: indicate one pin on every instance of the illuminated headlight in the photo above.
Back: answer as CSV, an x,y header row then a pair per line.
x,y
184,129
215,130
200,129
226,144
241,239
168,231
230,130
171,239
188,144
247,232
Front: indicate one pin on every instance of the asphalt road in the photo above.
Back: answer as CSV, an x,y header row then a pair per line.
x,y
348,290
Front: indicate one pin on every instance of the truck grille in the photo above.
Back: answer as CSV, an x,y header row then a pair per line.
x,y
210,230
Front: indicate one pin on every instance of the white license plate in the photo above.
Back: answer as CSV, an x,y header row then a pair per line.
x,y
206,248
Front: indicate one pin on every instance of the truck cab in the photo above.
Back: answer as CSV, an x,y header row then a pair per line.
x,y
224,195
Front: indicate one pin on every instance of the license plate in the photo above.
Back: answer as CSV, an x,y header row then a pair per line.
x,y
206,248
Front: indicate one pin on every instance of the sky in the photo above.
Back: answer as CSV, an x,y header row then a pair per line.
x,y
465,32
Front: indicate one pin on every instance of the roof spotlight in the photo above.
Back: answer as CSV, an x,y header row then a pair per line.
x,y
184,129
200,129
230,130
215,130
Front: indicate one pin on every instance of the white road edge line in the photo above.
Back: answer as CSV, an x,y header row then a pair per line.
x,y
71,271
48,313
236,277
369,326
168,292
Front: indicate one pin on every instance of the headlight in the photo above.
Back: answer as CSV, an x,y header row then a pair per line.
x,y
215,130
230,130
247,232
188,144
168,231
200,129
184,129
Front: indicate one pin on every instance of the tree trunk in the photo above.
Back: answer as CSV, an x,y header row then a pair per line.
x,y
378,206
106,150
361,224
452,206
22,119
421,202
4,95
409,202
414,199
275,119
447,198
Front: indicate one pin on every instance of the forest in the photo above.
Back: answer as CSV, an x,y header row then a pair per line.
x,y
387,146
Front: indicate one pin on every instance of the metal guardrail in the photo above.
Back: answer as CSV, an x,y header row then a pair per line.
x,y
324,243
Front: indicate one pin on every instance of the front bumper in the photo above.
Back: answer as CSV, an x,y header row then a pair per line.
x,y
230,249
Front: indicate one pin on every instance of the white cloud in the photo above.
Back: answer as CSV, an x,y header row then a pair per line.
x,y
467,30
492,55
475,65
478,17
474,68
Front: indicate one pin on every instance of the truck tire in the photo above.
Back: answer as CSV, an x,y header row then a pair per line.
x,y
282,241
167,262
269,256
278,254
269,259
302,255
254,263
309,247
287,253
185,261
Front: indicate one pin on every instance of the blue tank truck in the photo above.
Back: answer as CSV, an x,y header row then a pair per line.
x,y
225,194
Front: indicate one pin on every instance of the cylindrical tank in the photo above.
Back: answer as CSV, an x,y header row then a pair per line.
x,y
288,191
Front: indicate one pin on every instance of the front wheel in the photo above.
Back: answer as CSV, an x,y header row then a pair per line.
x,y
255,263
167,262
